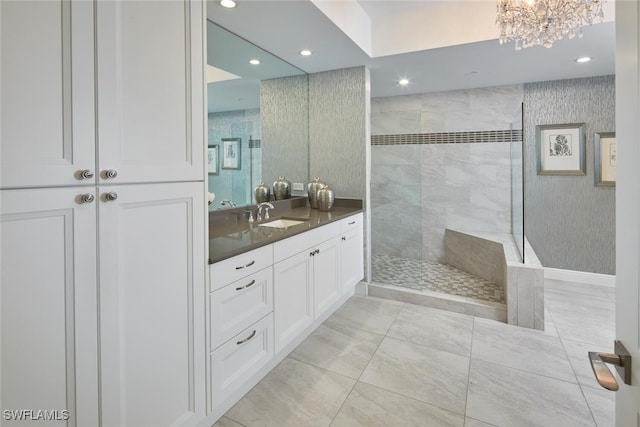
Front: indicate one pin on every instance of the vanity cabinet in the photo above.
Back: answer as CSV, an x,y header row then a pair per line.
x,y
293,296
306,280
265,301
103,286
241,337
351,251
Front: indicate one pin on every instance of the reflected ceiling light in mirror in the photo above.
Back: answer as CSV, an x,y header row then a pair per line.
x,y
305,52
403,82
583,59
254,62
229,4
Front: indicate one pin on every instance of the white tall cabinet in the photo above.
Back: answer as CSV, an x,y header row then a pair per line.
x,y
102,211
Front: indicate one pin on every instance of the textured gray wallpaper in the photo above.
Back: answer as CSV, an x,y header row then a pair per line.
x,y
568,220
284,108
338,130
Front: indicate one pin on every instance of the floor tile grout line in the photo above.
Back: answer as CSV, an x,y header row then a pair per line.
x,y
367,364
466,397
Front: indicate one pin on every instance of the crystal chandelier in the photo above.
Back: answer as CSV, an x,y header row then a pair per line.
x,y
541,22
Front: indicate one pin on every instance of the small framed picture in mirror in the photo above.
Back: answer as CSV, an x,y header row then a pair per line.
x,y
230,153
212,159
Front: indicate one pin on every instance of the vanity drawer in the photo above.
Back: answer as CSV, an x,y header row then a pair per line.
x,y
352,222
298,243
238,305
233,363
229,270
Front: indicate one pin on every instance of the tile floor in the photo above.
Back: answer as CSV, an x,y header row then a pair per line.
x,y
424,275
379,362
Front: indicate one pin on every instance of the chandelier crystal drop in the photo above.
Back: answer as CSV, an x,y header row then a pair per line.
x,y
542,22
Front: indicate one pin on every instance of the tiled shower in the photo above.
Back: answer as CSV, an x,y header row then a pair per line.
x,y
443,160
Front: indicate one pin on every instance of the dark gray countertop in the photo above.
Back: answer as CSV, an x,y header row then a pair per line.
x,y
231,234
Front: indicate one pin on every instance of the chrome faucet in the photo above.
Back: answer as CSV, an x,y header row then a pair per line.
x,y
266,206
228,202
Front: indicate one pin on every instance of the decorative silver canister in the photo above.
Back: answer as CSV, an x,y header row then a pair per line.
x,y
312,189
263,193
326,197
282,189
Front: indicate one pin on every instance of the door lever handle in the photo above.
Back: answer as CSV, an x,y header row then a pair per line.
x,y
621,359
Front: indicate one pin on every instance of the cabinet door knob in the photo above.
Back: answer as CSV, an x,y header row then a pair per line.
x,y
110,197
344,238
110,173
86,198
86,174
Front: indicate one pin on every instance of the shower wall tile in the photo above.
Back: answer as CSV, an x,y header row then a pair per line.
x,y
396,103
396,122
440,103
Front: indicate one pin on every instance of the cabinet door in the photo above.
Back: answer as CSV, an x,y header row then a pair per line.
x,y
152,264
293,297
351,258
47,102
326,273
48,309
150,90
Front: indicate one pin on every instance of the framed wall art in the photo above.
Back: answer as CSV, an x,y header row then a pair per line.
x,y
561,149
605,156
230,153
212,159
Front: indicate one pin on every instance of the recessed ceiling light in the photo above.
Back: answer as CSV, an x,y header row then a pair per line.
x,y
229,4
403,82
583,59
254,62
305,52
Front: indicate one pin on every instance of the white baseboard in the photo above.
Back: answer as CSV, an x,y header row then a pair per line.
x,y
584,277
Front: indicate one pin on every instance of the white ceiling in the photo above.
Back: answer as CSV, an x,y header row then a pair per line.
x,y
439,45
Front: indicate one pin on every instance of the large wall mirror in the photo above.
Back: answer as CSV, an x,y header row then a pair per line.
x,y
238,155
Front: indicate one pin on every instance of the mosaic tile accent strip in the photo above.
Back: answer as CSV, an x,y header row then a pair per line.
x,y
473,137
433,276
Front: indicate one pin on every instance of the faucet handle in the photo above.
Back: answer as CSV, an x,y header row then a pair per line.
x,y
250,212
266,213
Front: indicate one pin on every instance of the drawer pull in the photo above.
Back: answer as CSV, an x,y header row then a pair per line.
x,y
351,223
253,282
245,266
253,334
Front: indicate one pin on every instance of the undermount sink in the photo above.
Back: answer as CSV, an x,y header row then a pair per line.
x,y
282,223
